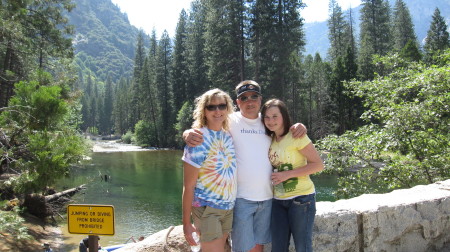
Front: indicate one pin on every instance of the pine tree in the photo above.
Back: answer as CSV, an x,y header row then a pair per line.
x,y
153,110
136,92
180,72
437,38
403,28
33,33
337,31
198,81
121,107
276,23
164,90
375,34
223,42
411,52
107,107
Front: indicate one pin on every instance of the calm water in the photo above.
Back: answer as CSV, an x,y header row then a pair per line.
x,y
144,188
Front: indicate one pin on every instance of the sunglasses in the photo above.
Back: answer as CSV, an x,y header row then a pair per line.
x,y
251,97
222,106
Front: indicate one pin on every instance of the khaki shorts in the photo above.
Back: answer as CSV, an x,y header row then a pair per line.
x,y
212,223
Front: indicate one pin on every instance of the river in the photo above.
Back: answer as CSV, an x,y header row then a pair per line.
x,y
144,187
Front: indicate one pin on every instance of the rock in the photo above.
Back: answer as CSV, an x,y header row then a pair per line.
x,y
167,240
416,219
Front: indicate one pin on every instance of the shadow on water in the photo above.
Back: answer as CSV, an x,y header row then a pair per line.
x,y
145,189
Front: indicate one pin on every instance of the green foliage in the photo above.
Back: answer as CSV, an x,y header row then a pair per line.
x,y
43,140
184,121
105,40
438,38
411,52
406,140
12,223
402,28
375,35
128,137
45,108
145,135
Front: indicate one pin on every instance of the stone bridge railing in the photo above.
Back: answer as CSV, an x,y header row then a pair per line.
x,y
410,220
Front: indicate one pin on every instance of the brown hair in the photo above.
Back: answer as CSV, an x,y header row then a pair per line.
x,y
284,113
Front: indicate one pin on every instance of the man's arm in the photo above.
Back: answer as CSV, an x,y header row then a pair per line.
x,y
298,130
193,137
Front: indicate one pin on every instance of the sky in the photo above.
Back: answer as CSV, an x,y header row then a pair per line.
x,y
164,14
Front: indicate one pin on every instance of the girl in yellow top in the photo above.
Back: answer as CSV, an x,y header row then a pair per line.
x,y
293,160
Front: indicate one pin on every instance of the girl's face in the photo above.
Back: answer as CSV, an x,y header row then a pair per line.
x,y
274,120
216,111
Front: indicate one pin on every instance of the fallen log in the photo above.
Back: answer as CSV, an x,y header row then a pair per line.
x,y
70,192
44,206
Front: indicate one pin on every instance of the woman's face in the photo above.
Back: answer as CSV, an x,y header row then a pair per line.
x,y
216,111
274,120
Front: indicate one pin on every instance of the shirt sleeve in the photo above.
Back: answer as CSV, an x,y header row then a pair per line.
x,y
301,143
194,155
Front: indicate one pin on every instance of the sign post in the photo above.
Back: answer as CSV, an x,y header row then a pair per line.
x,y
92,220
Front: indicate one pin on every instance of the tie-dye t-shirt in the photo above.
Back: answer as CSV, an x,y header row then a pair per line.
x,y
215,157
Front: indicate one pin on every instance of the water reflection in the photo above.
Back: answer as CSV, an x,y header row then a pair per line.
x,y
145,190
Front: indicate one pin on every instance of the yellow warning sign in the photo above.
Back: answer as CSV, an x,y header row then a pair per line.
x,y
90,219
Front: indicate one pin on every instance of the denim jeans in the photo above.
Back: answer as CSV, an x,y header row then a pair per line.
x,y
293,217
251,224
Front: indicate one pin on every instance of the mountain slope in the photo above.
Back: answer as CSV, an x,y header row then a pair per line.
x,y
105,40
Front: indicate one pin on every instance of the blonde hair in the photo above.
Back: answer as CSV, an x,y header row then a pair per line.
x,y
204,100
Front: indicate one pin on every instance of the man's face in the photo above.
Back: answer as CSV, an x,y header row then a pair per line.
x,y
249,103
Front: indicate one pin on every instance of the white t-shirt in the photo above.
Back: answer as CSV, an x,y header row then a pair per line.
x,y
252,153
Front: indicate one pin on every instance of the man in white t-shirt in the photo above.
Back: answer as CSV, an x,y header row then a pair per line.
x,y
251,220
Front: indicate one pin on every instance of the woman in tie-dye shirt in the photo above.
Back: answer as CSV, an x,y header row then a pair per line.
x,y
209,190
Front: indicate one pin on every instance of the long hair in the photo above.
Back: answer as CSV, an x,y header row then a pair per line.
x,y
204,100
284,113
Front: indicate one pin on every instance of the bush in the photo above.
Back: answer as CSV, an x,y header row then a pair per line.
x,y
145,134
405,141
127,138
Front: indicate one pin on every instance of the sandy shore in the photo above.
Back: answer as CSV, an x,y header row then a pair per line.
x,y
113,146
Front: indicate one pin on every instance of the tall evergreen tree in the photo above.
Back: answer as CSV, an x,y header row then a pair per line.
x,y
437,36
136,92
275,23
180,71
33,33
402,28
337,29
375,34
152,110
198,81
107,107
121,107
164,90
223,42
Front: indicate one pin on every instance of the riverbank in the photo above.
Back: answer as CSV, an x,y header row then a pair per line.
x,y
44,232
40,231
114,146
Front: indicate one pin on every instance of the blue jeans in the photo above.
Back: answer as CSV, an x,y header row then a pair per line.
x,y
293,217
251,224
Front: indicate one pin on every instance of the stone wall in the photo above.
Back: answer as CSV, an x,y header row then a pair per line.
x,y
416,219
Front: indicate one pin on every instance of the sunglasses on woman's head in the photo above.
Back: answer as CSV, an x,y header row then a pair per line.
x,y
246,98
222,106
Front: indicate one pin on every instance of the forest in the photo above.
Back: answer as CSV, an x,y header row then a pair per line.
x,y
378,103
